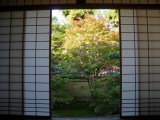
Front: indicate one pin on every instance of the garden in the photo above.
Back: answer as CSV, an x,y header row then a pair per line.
x,y
85,63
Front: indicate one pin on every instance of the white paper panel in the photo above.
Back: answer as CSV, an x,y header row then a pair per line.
x,y
44,13
5,15
144,78
5,22
37,2
128,69
29,78
146,64
16,30
16,70
128,78
15,95
42,101
4,54
4,30
16,45
42,87
17,14
43,21
54,2
30,45
20,2
43,113
31,14
16,53
128,87
29,62
28,113
154,53
42,53
16,78
36,62
45,1
11,78
129,62
42,37
31,21
42,70
4,38
153,29
128,44
4,78
43,29
17,22
30,29
29,70
29,95
42,95
4,86
4,94
29,87
126,13
62,1
126,20
42,45
16,37
29,53
127,53
127,36
12,2
42,78
4,46
30,105
127,28
30,37
153,13
16,86
4,70
42,62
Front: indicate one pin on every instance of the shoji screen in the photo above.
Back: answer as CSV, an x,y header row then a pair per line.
x,y
36,63
130,63
123,1
11,79
34,2
140,43
24,63
49,2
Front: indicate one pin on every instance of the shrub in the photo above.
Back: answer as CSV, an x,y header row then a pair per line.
x,y
106,94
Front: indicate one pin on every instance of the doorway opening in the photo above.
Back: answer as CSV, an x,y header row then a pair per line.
x,y
85,63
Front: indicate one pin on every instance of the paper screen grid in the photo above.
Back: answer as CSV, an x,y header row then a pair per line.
x,y
140,62
25,63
